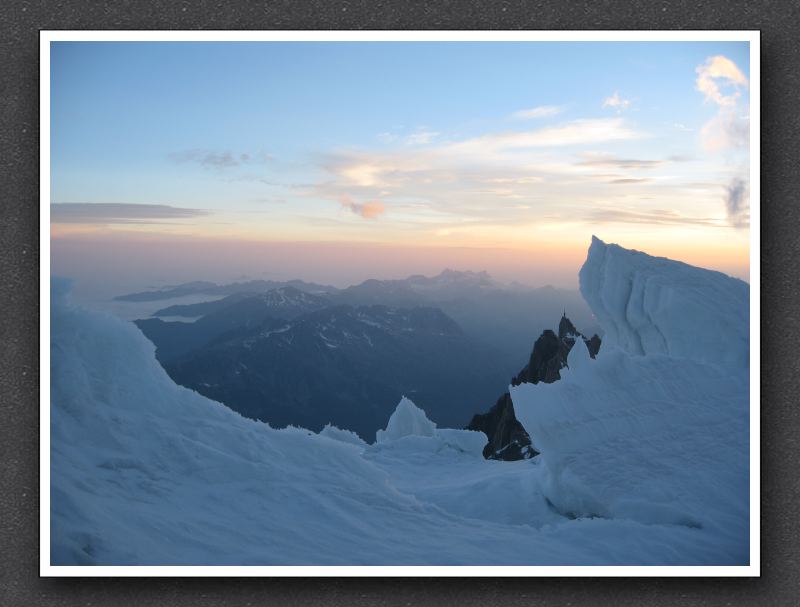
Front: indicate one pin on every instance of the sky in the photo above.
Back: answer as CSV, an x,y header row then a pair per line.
x,y
341,161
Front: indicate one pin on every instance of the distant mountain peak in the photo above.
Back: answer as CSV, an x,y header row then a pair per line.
x,y
460,274
566,328
288,294
210,288
456,278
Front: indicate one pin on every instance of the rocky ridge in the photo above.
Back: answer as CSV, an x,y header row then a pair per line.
x,y
508,440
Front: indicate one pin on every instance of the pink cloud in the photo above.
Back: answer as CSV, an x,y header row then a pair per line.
x,y
368,210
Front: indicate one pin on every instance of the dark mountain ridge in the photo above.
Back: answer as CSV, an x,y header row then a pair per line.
x,y
341,364
506,318
282,302
234,313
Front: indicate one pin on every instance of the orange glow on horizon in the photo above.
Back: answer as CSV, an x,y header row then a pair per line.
x,y
544,259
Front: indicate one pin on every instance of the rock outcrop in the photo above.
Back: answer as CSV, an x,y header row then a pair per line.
x,y
549,354
508,440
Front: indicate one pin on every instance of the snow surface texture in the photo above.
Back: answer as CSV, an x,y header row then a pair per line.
x,y
644,460
346,436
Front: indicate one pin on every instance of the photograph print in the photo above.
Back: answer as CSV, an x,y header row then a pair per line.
x,y
424,304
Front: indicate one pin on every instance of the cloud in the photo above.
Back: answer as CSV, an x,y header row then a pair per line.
x,y
654,217
523,180
721,81
362,173
729,129
577,132
218,160
737,203
422,137
450,161
720,71
386,137
118,213
368,210
593,159
542,111
630,180
480,177
616,102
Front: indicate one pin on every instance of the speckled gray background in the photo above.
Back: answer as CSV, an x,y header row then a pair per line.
x,y
19,314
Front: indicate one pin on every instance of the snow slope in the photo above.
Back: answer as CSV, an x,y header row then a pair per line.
x,y
644,461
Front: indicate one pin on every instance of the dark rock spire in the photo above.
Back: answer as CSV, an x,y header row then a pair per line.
x,y
508,440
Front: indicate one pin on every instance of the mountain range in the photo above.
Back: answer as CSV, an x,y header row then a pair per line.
x,y
504,317
201,287
292,357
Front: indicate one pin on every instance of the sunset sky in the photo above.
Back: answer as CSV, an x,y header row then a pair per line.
x,y
338,161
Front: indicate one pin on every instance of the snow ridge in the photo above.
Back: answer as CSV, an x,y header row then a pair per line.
x,y
653,305
655,429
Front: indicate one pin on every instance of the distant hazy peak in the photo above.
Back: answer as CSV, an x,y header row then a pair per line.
x,y
448,273
210,288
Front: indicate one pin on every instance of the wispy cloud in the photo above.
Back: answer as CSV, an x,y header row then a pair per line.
x,y
630,180
510,148
386,137
422,137
605,161
577,132
737,203
717,72
721,82
522,180
218,160
616,102
368,210
118,213
542,111
484,178
518,154
654,217
728,130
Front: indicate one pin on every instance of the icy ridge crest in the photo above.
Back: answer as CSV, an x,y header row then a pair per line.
x,y
655,429
653,305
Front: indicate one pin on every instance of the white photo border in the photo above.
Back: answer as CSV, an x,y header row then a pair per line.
x,y
46,37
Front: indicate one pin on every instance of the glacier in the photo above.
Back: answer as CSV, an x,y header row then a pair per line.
x,y
644,452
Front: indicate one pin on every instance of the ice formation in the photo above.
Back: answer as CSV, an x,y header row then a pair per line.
x,y
654,305
407,420
410,429
644,452
656,428
345,436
